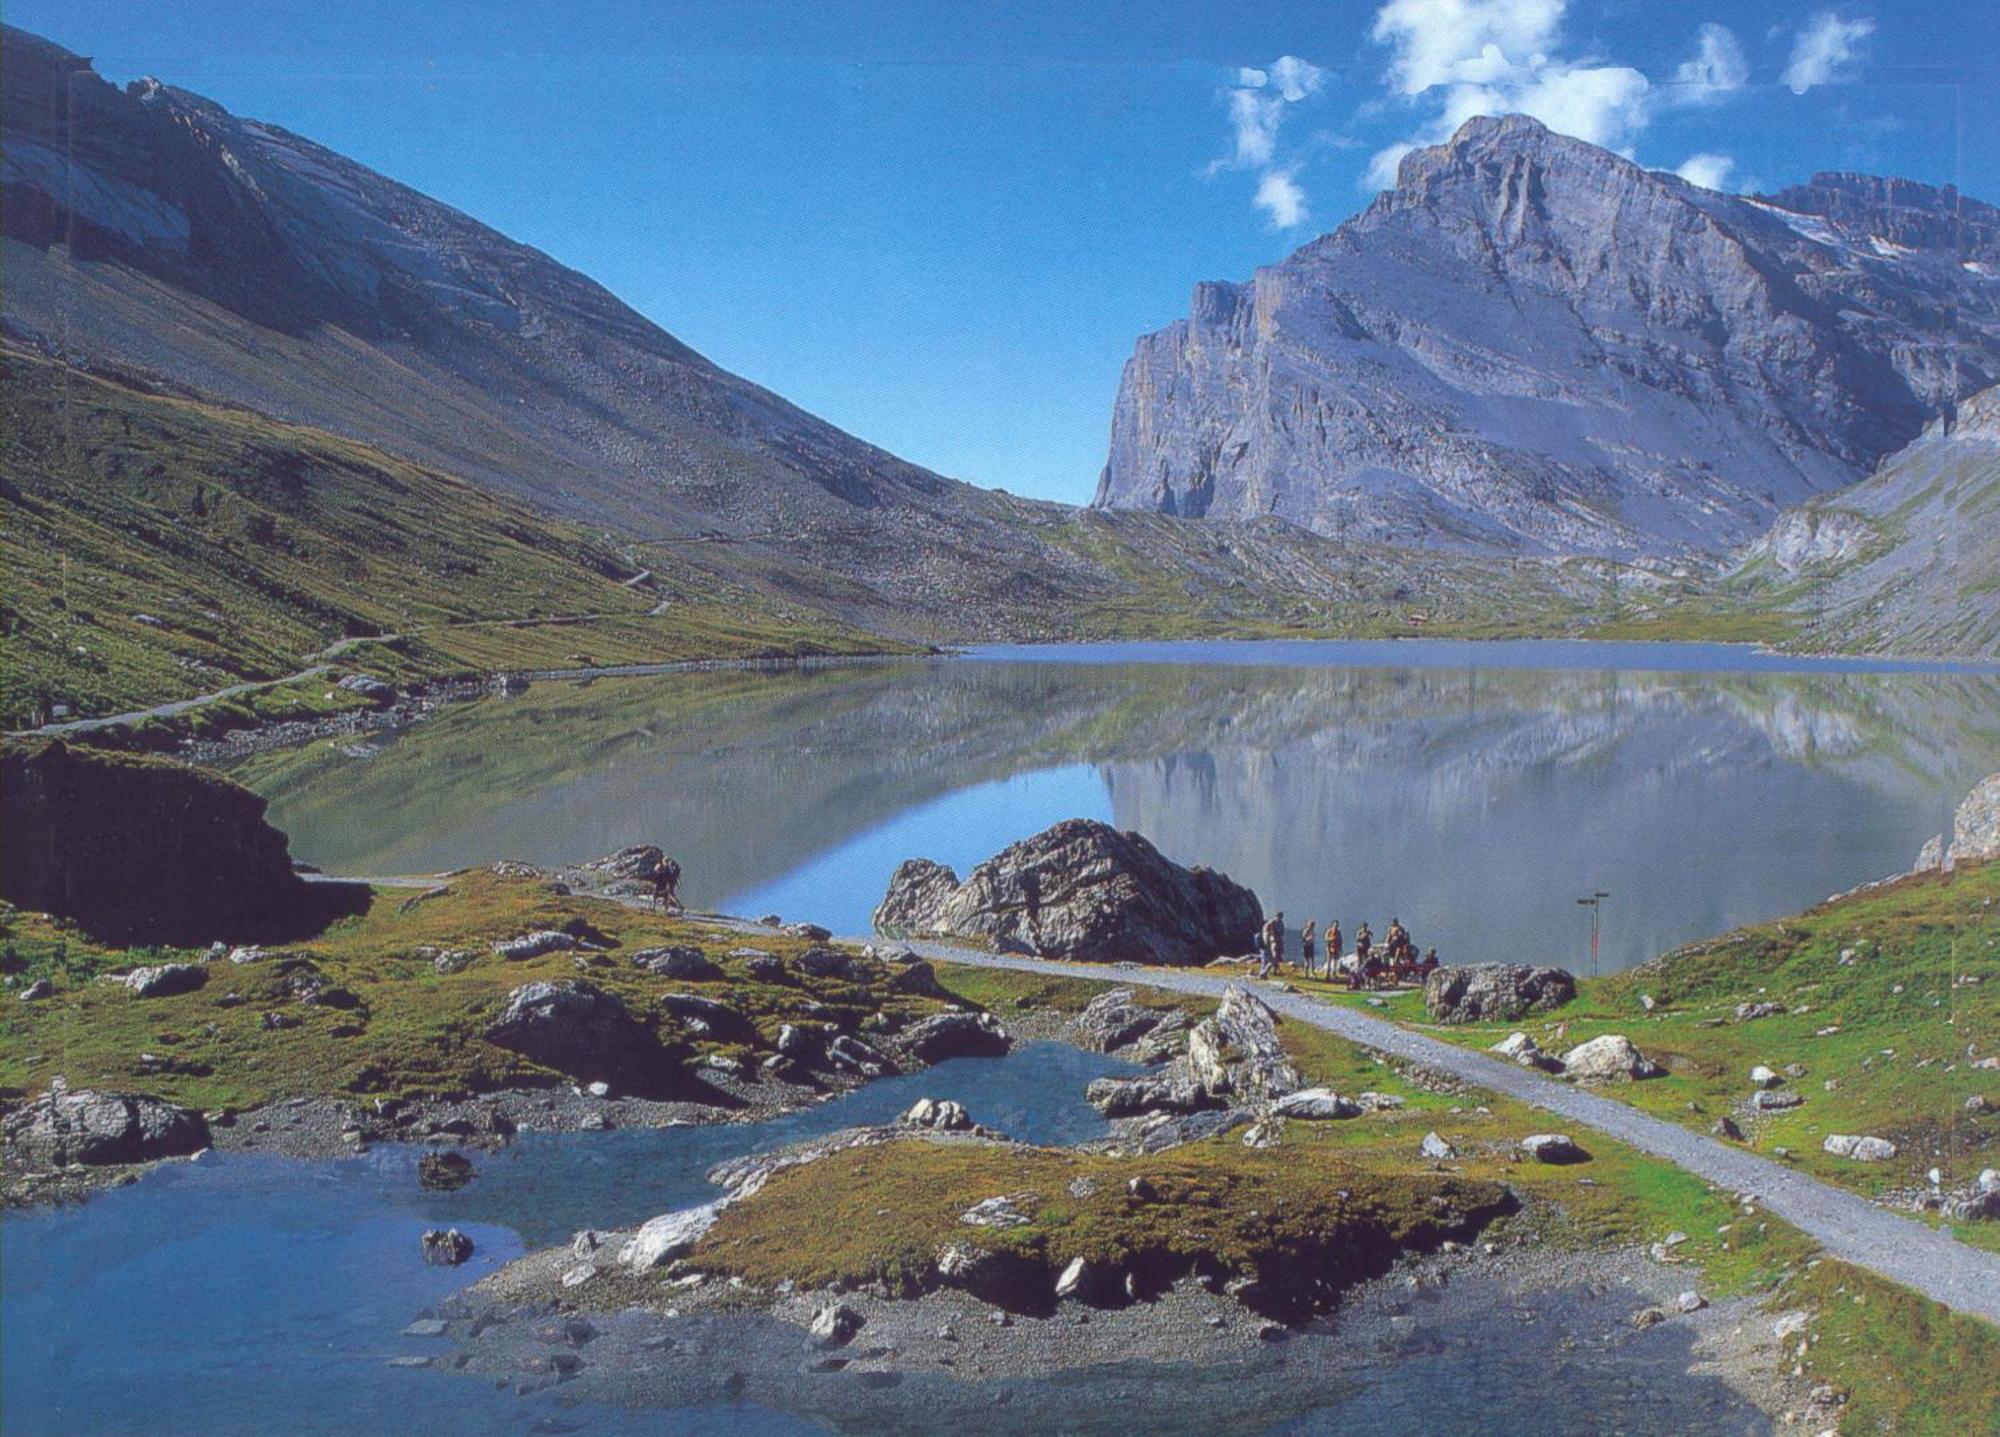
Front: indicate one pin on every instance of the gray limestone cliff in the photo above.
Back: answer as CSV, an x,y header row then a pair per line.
x,y
1531,344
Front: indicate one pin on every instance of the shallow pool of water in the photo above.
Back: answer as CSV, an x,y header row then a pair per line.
x,y
253,1294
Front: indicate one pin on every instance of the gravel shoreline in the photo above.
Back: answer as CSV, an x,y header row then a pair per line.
x,y
1192,1361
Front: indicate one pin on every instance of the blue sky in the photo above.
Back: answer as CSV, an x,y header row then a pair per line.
x,y
942,225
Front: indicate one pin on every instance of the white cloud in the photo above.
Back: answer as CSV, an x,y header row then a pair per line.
x,y
1710,171
1256,117
1443,42
1257,105
1717,68
1450,60
1279,196
1823,49
1295,78
1461,58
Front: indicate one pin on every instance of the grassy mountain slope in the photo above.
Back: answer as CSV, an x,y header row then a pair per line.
x,y
158,546
1906,561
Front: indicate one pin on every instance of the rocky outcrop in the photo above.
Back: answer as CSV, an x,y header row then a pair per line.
x,y
1115,1021
1081,890
938,1115
1975,828
579,1029
1414,377
83,1126
1495,992
1975,831
1234,1059
918,892
1552,1148
142,850
1315,1105
1236,1054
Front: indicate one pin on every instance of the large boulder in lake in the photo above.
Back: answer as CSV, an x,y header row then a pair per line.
x,y
1080,890
1495,992
83,1126
579,1029
143,850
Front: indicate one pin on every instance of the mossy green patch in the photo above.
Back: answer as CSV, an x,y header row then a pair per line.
x,y
411,1030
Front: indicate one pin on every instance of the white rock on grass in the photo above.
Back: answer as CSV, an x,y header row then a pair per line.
x,y
1315,1103
1552,1148
1860,1149
1436,1148
1611,1056
668,1236
1763,1077
994,1212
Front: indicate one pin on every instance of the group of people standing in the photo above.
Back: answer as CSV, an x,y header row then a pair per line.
x,y
1367,966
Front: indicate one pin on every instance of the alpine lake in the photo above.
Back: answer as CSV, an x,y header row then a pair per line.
x,y
1475,791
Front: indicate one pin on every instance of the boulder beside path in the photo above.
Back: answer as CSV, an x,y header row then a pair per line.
x,y
1081,890
1495,992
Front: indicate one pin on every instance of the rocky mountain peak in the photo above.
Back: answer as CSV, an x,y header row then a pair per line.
x,y
1533,344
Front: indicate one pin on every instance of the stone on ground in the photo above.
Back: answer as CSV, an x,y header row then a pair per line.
x,y
1608,1058
1860,1148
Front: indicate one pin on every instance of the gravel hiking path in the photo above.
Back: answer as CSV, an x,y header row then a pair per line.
x,y
1904,1250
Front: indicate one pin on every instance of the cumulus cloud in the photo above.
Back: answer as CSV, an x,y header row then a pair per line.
x,y
1279,196
1823,50
1257,104
1460,58
1710,171
1717,68
1447,42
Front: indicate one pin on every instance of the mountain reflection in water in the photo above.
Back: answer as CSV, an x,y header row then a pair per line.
x,y
1474,802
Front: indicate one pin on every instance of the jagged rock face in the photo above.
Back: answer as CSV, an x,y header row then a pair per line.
x,y
1533,344
82,1126
140,850
1080,890
1495,992
1234,1060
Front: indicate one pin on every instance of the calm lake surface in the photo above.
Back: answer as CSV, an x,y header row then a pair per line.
x,y
1474,790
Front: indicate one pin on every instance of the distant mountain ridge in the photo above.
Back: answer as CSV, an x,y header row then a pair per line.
x,y
1908,560
315,290
1533,345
